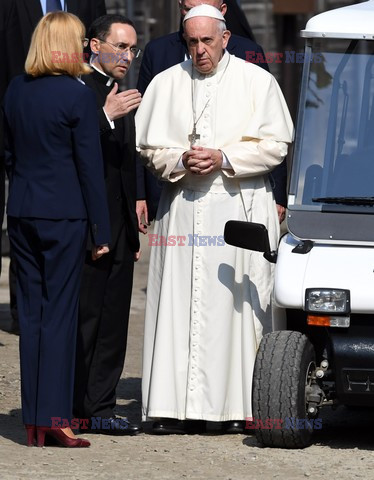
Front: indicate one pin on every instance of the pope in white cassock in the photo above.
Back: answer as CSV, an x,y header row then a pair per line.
x,y
212,127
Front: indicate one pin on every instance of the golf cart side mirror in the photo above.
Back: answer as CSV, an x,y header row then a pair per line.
x,y
251,236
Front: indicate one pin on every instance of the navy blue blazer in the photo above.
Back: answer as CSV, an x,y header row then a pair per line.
x,y
163,53
53,152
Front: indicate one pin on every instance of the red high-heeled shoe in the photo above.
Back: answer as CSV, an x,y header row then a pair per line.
x,y
31,435
61,438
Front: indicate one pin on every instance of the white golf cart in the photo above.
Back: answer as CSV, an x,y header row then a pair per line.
x,y
322,352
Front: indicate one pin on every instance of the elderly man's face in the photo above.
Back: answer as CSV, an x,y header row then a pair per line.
x,y
206,42
186,5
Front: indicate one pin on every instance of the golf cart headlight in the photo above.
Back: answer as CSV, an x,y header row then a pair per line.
x,y
327,300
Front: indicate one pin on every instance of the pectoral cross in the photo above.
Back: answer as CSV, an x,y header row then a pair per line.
x,y
192,137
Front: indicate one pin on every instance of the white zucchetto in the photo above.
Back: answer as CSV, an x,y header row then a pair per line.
x,y
204,11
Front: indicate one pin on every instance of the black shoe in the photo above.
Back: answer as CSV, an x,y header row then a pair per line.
x,y
113,426
233,426
170,426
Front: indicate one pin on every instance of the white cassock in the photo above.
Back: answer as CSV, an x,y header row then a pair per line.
x,y
209,305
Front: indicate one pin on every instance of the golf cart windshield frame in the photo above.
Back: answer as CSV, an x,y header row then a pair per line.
x,y
333,161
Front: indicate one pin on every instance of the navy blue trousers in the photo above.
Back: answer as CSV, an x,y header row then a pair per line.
x,y
49,258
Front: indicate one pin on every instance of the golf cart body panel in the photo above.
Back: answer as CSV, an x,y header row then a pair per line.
x,y
326,266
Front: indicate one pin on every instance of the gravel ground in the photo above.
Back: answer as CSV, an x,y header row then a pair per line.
x,y
343,449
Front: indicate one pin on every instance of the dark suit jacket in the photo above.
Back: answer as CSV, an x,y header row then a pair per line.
x,y
163,53
11,64
53,153
29,12
236,21
118,147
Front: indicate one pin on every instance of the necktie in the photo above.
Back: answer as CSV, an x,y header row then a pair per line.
x,y
53,5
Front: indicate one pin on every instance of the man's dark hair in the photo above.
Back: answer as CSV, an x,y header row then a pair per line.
x,y
100,27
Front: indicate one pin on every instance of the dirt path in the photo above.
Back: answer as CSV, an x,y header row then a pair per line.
x,y
343,448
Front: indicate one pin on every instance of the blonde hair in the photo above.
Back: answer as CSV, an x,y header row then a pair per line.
x,y
57,46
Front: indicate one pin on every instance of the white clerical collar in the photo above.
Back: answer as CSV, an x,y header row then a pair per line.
x,y
110,79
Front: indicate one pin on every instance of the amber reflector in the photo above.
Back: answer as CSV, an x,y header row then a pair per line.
x,y
318,321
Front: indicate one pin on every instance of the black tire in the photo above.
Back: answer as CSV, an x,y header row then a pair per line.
x,y
281,370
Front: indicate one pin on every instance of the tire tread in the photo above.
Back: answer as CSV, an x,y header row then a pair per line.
x,y
276,386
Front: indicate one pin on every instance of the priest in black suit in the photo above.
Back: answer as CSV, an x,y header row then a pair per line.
x,y
107,285
166,51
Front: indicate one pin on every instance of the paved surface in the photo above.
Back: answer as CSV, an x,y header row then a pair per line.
x,y
343,448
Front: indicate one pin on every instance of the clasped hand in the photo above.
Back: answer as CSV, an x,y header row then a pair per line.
x,y
202,161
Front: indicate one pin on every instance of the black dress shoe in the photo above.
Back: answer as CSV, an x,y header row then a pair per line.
x,y
233,426
170,426
113,426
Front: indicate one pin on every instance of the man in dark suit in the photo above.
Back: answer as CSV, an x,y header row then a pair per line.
x,y
12,63
29,12
236,21
162,53
18,19
107,282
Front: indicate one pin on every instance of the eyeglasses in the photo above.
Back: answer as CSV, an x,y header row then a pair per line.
x,y
120,47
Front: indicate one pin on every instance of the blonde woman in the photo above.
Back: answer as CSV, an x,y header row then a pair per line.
x,y
56,193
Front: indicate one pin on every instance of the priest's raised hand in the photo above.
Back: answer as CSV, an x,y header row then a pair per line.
x,y
117,105
202,161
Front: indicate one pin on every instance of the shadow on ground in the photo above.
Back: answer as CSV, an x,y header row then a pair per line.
x,y
129,389
5,318
11,427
